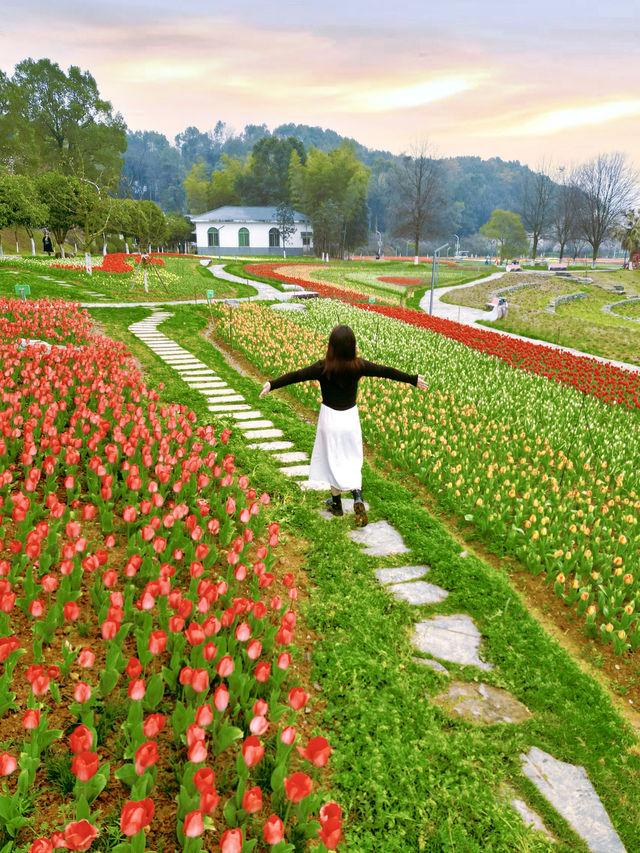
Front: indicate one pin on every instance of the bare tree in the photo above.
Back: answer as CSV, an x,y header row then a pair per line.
x,y
536,204
419,194
564,212
608,186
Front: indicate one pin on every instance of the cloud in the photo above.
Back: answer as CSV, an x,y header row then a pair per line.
x,y
565,118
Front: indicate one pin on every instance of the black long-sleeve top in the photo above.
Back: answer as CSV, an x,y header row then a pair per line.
x,y
339,390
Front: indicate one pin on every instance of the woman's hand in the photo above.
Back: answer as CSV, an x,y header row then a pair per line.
x,y
265,389
422,385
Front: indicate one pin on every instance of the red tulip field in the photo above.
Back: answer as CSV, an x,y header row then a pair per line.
x,y
146,634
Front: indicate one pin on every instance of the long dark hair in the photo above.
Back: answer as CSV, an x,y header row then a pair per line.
x,y
341,352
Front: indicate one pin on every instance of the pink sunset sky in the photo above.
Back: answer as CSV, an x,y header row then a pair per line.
x,y
553,80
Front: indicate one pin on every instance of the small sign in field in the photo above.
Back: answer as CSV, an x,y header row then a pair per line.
x,y
22,290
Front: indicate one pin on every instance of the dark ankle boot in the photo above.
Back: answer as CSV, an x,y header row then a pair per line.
x,y
334,505
359,509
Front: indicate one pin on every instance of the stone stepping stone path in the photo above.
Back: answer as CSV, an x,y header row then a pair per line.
x,y
482,703
570,792
221,398
451,638
379,539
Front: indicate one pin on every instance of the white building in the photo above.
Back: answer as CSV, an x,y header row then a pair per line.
x,y
233,230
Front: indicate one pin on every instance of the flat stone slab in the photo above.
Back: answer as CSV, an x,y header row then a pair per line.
x,y
401,574
263,433
271,445
314,486
202,385
203,372
454,638
259,424
418,592
379,539
296,471
482,703
294,456
228,398
531,819
241,416
217,391
432,664
228,408
568,789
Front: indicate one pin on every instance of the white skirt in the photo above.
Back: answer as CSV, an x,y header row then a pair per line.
x,y
337,451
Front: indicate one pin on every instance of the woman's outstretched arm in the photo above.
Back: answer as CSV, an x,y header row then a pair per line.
x,y
314,371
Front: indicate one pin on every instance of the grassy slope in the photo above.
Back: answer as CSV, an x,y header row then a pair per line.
x,y
410,777
581,324
179,279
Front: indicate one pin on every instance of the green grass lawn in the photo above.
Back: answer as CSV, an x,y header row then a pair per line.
x,y
179,278
409,776
581,324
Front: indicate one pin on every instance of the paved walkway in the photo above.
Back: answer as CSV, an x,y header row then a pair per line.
x,y
468,317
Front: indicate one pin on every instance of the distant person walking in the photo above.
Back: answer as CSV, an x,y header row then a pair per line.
x,y
337,452
47,245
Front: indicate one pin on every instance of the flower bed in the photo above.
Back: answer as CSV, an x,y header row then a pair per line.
x,y
607,382
399,279
542,471
146,631
115,262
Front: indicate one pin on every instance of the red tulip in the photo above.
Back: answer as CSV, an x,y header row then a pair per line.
x,y
81,740
298,786
209,801
258,725
204,779
41,845
79,835
197,752
193,824
200,680
135,815
221,698
7,764
317,751
146,756
86,658
84,765
82,692
330,833
231,841
225,666
204,715
157,642
153,725
71,611
273,832
31,719
252,751
252,800
262,672
288,735
297,698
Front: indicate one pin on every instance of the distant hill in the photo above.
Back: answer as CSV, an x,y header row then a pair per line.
x,y
155,168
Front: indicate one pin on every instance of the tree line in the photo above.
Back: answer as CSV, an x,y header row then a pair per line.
x,y
67,162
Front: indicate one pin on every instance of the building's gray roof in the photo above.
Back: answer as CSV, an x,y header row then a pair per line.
x,y
231,213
